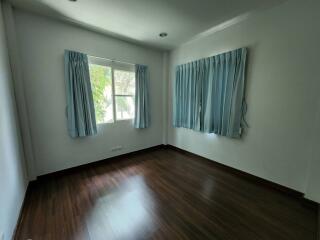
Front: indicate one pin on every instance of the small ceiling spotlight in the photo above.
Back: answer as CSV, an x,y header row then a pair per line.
x,y
163,34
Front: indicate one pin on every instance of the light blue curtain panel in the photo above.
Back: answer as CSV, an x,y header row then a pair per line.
x,y
142,111
80,106
209,94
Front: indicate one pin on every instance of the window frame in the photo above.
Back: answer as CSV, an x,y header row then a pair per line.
x,y
114,65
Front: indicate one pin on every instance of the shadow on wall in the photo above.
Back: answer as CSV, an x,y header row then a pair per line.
x,y
52,12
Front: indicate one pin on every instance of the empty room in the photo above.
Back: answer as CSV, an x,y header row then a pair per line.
x,y
159,119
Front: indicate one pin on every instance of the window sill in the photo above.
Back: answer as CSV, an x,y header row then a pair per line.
x,y
125,120
117,121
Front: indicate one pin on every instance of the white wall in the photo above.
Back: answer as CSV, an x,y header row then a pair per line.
x,y
282,91
12,174
313,175
42,42
18,84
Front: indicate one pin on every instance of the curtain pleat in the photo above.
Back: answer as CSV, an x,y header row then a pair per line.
x,y
80,106
142,111
209,94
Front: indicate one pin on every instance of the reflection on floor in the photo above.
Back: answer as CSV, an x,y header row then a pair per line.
x,y
160,194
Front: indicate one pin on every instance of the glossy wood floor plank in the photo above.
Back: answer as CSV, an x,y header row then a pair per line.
x,y
161,194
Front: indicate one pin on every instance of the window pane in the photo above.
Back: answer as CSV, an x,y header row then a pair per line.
x,y
124,82
124,107
101,82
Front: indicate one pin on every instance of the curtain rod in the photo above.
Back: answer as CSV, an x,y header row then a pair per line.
x,y
215,55
111,60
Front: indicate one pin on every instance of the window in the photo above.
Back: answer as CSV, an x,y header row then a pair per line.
x,y
113,89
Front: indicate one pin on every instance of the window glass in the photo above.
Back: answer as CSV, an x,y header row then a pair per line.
x,y
124,82
124,107
116,102
124,94
101,82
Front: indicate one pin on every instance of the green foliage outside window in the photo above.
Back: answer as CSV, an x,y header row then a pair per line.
x,y
101,81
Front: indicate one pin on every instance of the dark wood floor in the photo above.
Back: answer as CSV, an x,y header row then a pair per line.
x,y
161,194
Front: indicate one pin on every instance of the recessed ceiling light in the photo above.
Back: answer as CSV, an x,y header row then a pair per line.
x,y
72,0
163,34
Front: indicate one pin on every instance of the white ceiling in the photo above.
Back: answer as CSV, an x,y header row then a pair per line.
x,y
141,21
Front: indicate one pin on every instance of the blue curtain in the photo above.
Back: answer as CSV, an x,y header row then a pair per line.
x,y
142,112
80,107
209,94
